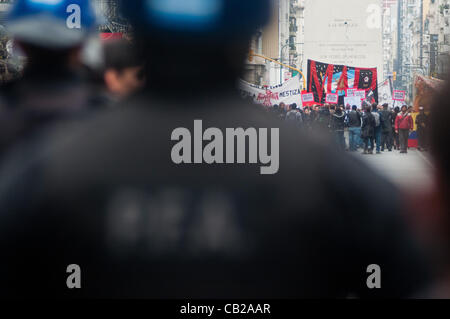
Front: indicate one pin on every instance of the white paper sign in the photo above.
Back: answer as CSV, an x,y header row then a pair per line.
x,y
353,100
308,97
332,98
399,95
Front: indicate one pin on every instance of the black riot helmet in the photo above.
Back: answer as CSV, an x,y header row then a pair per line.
x,y
210,20
200,43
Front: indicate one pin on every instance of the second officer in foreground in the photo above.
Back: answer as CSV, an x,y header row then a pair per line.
x,y
51,34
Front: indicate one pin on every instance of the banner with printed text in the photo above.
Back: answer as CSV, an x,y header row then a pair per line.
x,y
324,78
385,92
288,93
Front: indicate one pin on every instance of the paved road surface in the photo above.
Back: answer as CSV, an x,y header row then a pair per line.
x,y
412,171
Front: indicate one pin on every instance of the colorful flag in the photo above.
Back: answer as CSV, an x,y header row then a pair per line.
x,y
324,78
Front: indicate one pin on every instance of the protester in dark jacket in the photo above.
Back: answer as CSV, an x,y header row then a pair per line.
x,y
378,126
282,111
307,118
294,116
368,130
386,128
395,137
422,124
337,127
315,117
323,117
354,128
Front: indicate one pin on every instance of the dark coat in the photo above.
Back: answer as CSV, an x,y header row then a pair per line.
x,y
368,125
41,99
386,121
422,122
354,119
337,121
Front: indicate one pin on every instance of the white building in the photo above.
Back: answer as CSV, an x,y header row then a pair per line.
x,y
292,32
390,37
423,41
281,40
437,36
345,32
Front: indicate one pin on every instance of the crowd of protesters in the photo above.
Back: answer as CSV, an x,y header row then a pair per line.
x,y
372,128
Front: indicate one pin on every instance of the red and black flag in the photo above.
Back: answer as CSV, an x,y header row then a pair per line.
x,y
324,78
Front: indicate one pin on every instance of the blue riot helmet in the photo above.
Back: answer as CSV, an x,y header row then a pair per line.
x,y
197,19
53,24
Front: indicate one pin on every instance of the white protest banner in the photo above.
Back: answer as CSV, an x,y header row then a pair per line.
x,y
361,94
353,100
350,92
385,93
307,97
332,98
399,95
288,93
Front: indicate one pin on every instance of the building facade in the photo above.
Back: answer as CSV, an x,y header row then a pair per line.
x,y
390,37
410,45
281,40
423,28
437,37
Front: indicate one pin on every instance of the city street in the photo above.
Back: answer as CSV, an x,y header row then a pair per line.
x,y
412,171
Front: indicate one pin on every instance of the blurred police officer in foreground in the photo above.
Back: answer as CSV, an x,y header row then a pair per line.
x,y
108,197
439,135
51,35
